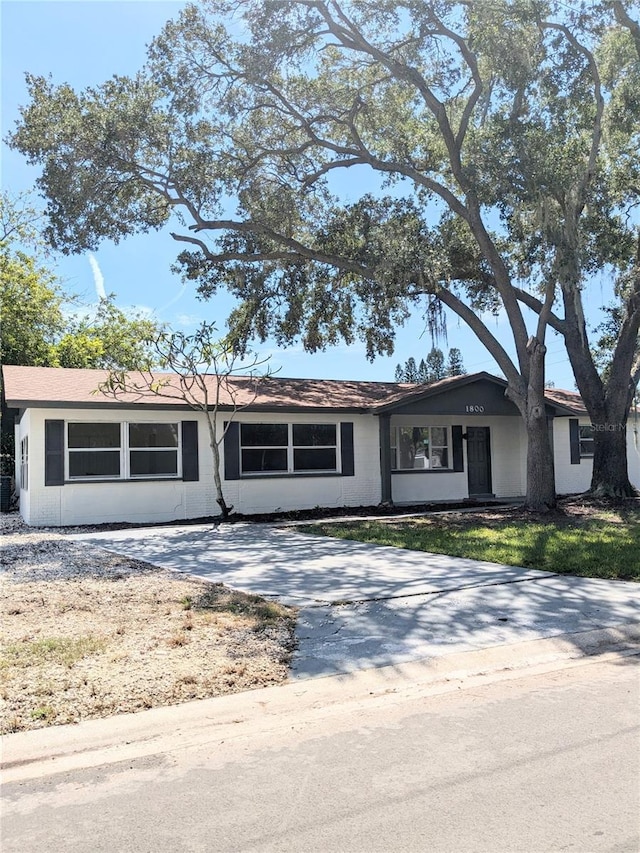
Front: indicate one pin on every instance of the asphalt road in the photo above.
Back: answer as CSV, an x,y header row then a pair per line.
x,y
538,764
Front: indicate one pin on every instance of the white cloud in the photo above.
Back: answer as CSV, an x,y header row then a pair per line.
x,y
174,299
186,320
98,278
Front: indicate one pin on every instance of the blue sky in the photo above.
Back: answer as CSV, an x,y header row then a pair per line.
x,y
83,42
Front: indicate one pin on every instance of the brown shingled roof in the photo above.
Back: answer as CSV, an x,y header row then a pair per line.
x,y
32,386
569,399
55,386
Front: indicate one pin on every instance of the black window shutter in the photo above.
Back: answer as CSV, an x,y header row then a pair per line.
x,y
232,451
457,451
574,441
54,453
190,466
346,449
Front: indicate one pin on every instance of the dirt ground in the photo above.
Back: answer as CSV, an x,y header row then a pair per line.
x,y
89,634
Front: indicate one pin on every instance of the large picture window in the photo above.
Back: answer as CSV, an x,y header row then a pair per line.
x,y
288,448
420,448
122,451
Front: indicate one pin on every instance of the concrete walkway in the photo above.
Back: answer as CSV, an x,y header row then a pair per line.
x,y
368,605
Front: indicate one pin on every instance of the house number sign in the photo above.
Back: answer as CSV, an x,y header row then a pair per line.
x,y
474,410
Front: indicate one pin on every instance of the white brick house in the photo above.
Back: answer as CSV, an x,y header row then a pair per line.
x,y
83,458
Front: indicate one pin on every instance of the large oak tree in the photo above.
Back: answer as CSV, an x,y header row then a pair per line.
x,y
504,134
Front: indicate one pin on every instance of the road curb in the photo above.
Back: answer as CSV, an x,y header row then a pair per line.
x,y
127,737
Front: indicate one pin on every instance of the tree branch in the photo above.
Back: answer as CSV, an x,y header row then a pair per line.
x,y
484,336
536,306
625,20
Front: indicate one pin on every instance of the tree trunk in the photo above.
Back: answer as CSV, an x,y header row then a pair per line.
x,y
529,398
608,408
225,508
541,483
541,479
607,401
610,476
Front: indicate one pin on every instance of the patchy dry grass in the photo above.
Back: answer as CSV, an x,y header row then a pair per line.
x,y
83,647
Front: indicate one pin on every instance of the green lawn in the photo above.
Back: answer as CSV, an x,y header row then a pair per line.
x,y
598,548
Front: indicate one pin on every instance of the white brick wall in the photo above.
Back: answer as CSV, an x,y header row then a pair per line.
x,y
569,478
77,503
168,500
264,494
633,449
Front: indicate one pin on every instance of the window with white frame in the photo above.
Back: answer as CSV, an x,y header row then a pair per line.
x,y
122,451
420,448
288,448
585,434
94,450
24,463
153,450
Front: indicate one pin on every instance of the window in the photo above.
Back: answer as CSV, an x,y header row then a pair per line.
x,y
314,447
153,450
264,447
419,448
24,463
586,439
122,451
94,450
288,448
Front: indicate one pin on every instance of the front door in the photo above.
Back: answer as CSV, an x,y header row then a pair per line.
x,y
479,461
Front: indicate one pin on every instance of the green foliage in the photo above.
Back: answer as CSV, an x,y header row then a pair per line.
x,y
455,366
434,366
266,120
79,350
30,297
108,338
30,305
38,325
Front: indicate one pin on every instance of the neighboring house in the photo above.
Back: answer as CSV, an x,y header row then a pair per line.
x,y
84,458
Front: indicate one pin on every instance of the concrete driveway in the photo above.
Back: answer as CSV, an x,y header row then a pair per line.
x,y
368,605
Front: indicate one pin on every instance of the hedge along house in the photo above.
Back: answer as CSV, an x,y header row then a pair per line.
x,y
86,458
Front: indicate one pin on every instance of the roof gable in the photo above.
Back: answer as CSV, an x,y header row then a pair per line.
x,y
418,393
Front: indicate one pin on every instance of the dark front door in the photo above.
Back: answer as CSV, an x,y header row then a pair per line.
x,y
479,461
